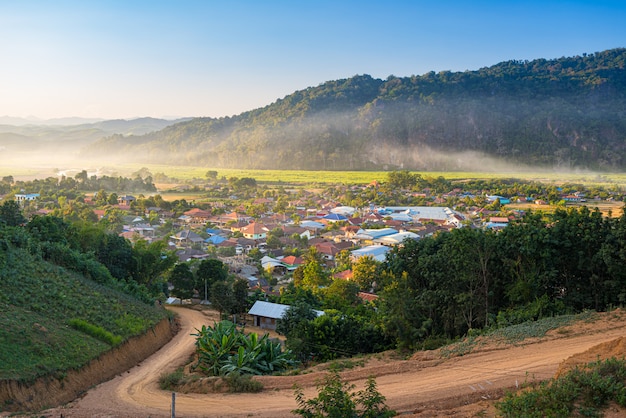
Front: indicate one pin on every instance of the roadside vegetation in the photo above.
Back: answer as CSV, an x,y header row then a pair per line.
x,y
585,391
61,306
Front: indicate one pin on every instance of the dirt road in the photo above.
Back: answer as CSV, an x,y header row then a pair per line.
x,y
426,385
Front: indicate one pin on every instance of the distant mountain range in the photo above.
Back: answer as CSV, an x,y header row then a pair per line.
x,y
41,138
565,113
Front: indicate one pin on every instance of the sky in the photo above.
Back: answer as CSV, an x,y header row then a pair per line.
x,y
179,58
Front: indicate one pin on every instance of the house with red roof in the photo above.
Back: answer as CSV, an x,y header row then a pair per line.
x,y
255,230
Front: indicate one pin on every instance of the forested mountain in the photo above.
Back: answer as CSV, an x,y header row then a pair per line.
x,y
559,113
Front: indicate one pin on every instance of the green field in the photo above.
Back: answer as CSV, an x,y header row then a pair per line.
x,y
185,173
188,173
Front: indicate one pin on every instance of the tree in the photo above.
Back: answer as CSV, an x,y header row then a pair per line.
x,y
152,260
294,317
365,272
221,297
313,274
210,271
341,294
11,213
240,297
211,175
183,281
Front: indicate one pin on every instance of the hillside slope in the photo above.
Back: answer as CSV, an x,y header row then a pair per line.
x,y
563,113
40,304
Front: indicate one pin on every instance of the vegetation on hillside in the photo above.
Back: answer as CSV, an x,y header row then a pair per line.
x,y
563,113
61,304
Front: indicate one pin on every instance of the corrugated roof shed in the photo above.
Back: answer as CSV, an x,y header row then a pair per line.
x,y
271,310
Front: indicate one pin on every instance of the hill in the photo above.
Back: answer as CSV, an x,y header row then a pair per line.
x,y
561,113
53,319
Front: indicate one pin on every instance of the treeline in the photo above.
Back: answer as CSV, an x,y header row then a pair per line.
x,y
447,285
81,182
90,250
564,112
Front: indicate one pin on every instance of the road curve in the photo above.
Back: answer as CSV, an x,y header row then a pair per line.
x,y
409,385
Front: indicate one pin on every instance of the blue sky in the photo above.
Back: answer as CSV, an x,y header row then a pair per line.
x,y
125,59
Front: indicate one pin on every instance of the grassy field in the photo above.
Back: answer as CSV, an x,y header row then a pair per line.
x,y
615,209
186,173
366,177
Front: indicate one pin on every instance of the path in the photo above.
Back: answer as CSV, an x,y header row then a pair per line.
x,y
422,387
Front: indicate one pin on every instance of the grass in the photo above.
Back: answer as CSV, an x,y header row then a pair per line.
x,y
364,177
584,391
514,334
39,301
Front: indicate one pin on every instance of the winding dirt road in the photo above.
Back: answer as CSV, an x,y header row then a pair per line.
x,y
426,385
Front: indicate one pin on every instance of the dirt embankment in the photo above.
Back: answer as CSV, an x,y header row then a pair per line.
x,y
47,392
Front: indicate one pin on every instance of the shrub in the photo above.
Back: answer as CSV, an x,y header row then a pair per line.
x,y
335,400
239,383
95,331
582,391
170,381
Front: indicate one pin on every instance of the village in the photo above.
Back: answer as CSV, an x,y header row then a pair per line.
x,y
262,234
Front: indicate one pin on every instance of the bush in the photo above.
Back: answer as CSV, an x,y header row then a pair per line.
x,y
170,381
335,400
95,331
239,383
582,391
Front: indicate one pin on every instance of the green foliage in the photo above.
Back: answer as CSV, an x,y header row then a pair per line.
x,y
183,281
242,383
332,335
46,286
170,381
452,284
584,391
11,213
539,308
95,331
223,349
335,400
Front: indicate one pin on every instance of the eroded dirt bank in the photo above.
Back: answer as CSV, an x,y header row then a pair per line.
x,y
48,392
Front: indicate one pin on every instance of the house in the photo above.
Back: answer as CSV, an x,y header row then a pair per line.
x,y
254,230
343,275
197,216
396,239
26,197
377,252
329,250
292,262
367,297
187,237
265,314
125,200
368,236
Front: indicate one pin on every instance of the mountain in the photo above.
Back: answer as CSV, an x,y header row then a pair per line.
x,y
560,113
51,137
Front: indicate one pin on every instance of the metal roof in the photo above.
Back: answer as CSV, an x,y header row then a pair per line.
x,y
271,310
